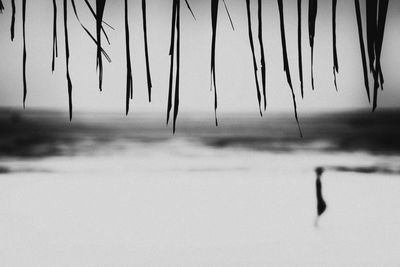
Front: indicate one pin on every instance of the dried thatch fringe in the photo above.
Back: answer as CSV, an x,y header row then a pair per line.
x,y
55,46
286,63
253,54
24,50
299,50
12,28
65,7
1,7
129,80
146,49
362,47
312,15
335,59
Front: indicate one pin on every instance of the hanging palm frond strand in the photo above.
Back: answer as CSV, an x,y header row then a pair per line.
x,y
312,15
371,8
362,47
24,50
88,32
335,59
370,40
65,7
214,20
146,49
175,45
190,9
171,54
299,49
103,22
261,43
383,8
129,80
286,63
253,54
229,15
376,13
12,28
100,5
55,46
377,45
178,47
214,23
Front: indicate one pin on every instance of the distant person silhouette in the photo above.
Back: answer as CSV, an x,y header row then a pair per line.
x,y
321,204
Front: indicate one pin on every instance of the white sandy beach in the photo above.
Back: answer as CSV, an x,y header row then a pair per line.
x,y
181,204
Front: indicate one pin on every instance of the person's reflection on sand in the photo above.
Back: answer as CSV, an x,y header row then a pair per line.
x,y
321,204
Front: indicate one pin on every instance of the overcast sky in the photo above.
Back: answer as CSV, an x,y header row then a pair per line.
x,y
235,79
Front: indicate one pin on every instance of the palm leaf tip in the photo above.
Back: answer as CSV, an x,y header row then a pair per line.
x,y
383,8
66,40
253,54
190,9
229,14
214,23
55,45
376,12
12,28
362,47
178,47
103,52
100,6
1,7
262,53
335,59
299,49
94,15
25,92
286,62
129,79
174,49
172,57
312,15
371,15
146,49
377,69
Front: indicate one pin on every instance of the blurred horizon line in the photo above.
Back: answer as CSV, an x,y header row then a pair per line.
x,y
198,112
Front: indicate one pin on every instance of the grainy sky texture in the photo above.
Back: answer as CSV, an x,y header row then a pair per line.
x,y
235,79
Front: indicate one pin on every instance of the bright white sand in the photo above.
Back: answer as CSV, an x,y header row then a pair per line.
x,y
176,204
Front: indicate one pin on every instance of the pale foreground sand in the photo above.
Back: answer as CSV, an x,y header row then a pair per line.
x,y
174,204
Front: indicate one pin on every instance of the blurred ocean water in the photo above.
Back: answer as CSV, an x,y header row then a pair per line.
x,y
46,133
